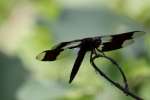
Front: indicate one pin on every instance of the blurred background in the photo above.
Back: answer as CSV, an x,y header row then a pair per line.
x,y
28,27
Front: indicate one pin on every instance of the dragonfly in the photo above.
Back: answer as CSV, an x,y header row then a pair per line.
x,y
97,46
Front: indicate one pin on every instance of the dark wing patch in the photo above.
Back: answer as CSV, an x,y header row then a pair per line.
x,y
120,40
49,55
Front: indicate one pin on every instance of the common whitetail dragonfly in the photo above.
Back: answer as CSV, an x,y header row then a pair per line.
x,y
97,46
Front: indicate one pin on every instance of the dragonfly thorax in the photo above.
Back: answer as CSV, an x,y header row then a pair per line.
x,y
90,43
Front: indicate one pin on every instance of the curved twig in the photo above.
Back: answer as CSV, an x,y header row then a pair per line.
x,y
126,91
117,66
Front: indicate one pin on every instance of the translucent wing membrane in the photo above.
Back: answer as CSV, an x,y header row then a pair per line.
x,y
118,41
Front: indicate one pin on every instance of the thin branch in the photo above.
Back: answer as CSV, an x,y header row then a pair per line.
x,y
117,66
126,91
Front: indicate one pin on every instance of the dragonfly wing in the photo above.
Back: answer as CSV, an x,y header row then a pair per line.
x,y
118,41
77,64
51,55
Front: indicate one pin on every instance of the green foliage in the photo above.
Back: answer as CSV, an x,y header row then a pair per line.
x,y
52,22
